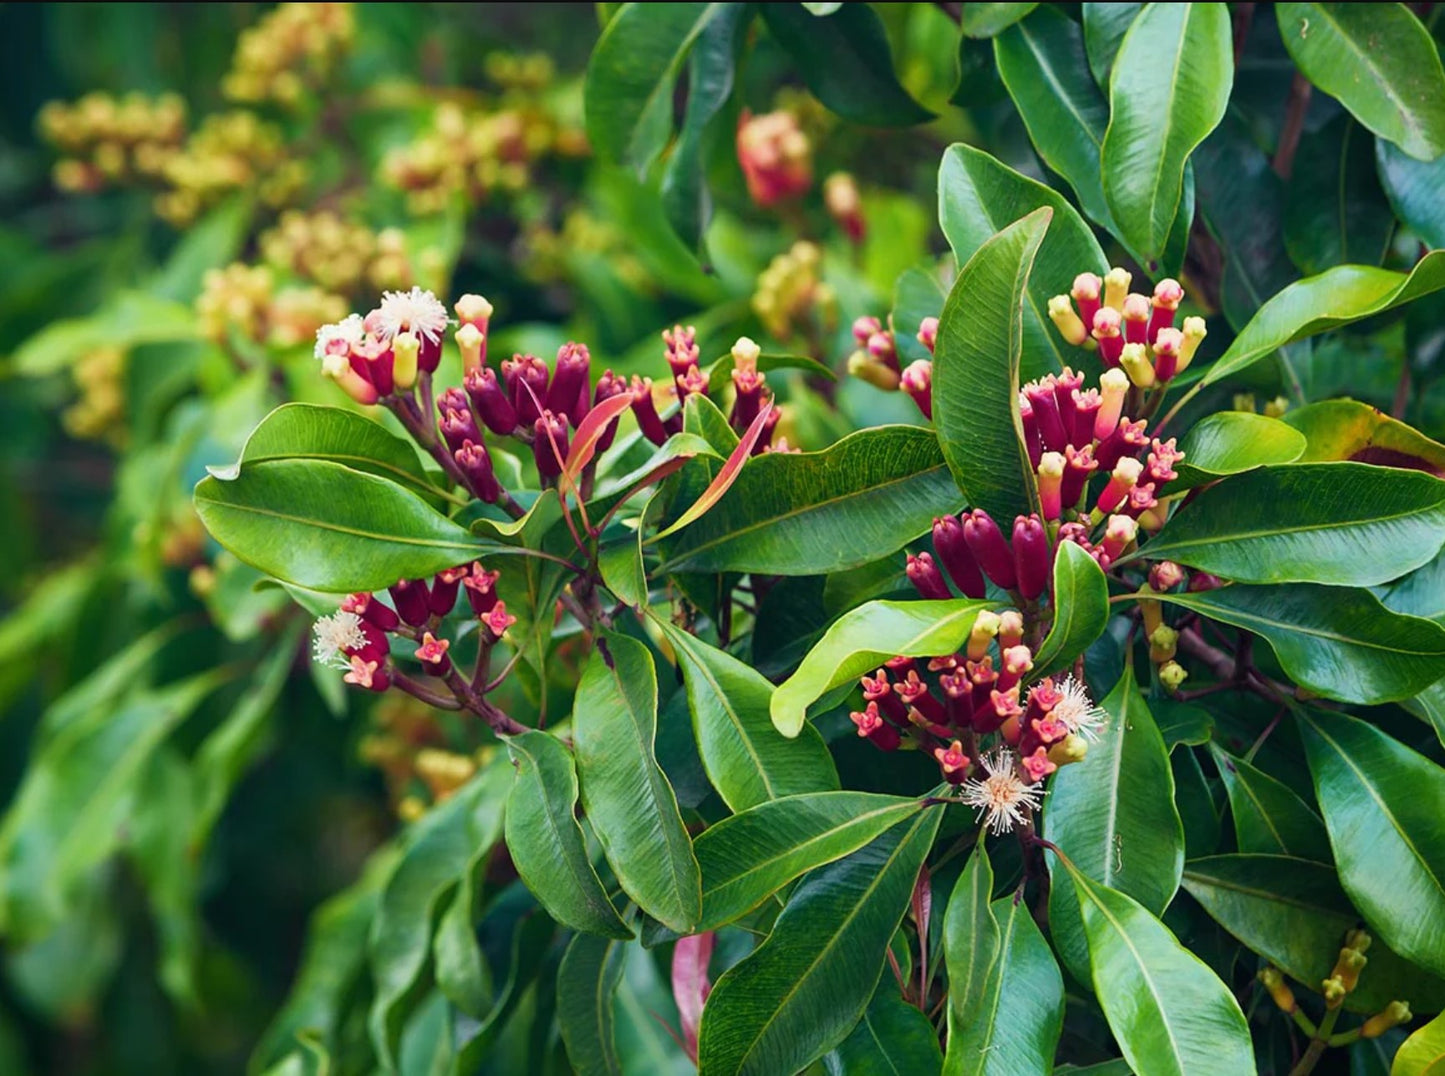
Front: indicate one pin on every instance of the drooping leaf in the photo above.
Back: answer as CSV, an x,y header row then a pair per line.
x,y
1346,524
813,512
747,760
971,943
1169,88
1382,803
862,639
1268,817
1350,430
1411,187
976,372
978,197
1336,211
1423,1053
748,857
546,842
1338,642
626,796
893,1037
1380,63
1231,442
1081,609
989,20
1104,28
845,61
802,990
587,982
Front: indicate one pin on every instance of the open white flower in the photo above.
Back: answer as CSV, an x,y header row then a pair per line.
x,y
1076,710
1001,795
417,311
339,337
334,635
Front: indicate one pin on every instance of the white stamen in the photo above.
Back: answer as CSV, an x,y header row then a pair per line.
x,y
1002,794
417,311
335,634
337,338
1078,712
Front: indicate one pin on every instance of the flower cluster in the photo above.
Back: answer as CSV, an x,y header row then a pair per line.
x,y
244,300
876,360
775,155
290,50
1130,331
107,140
338,255
845,205
99,413
230,151
791,296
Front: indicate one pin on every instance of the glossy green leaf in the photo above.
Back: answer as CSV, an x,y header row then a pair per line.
x,y
989,20
1182,722
917,294
546,842
1320,303
320,525
1293,912
1336,211
971,943
1104,28
1379,62
893,1038
1170,1014
630,78
1169,88
1346,524
1195,803
1423,1053
845,61
1337,642
1350,430
1268,817
627,799
445,844
976,372
1081,609
748,857
1231,442
978,197
802,991
812,512
1421,593
1412,188
1382,804
747,760
719,377
587,982
461,971
862,639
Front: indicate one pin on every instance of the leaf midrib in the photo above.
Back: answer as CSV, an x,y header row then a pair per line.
x,y
1364,59
355,532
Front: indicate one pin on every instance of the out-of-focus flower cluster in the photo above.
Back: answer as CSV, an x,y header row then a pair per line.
x,y
230,151
337,254
776,157
791,298
244,300
292,49
99,413
105,140
414,753
544,253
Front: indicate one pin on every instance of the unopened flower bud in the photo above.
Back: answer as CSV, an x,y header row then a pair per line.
x,y
1116,288
645,410
1167,346
550,446
1163,642
526,380
1045,404
989,548
1031,556
471,342
1037,765
480,587
880,345
340,370
923,573
1172,675
957,558
1033,443
1121,481
1071,327
877,731
952,761
985,627
1050,483
1072,748
1136,319
1017,661
1395,1014
497,620
1167,296
405,348
1194,334
571,382
1113,387
866,368
864,327
608,386
1165,576
1119,534
928,333
917,381
490,400
745,352
368,608
844,204
475,311
1135,361
1107,331
1201,581
476,466
1279,990
1088,292
412,601
1358,940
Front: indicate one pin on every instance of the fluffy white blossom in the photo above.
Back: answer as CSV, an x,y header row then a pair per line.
x,y
338,337
335,634
1077,710
417,311
1001,796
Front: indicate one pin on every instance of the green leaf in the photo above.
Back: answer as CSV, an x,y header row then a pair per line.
x,y
1421,593
1350,430
989,20
807,513
1380,63
971,942
1337,642
1231,442
1114,816
627,799
802,990
1336,211
977,198
893,1038
844,60
1412,187
1423,1053
747,760
976,372
1081,609
1268,817
1382,804
862,639
587,982
1320,303
1182,722
444,845
1104,28
129,319
320,525
628,91
1347,524
1293,913
719,376
750,856
1169,1013
546,842
216,239
1169,88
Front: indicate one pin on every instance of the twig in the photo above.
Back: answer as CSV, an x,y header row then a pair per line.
x,y
1294,122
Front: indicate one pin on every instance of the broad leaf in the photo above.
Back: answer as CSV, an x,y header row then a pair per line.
x,y
1421,593
802,990
1104,28
750,856
627,799
1350,430
1379,62
814,512
1320,303
1231,442
587,982
1169,88
862,639
845,61
1293,913
1081,609
1346,524
977,197
1423,1053
1336,211
976,372
893,1037
1382,805
747,760
1268,817
989,20
1337,642
546,842
1412,187
1169,1013
971,943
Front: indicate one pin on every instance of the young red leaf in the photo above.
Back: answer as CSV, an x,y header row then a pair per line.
x,y
725,477
690,984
